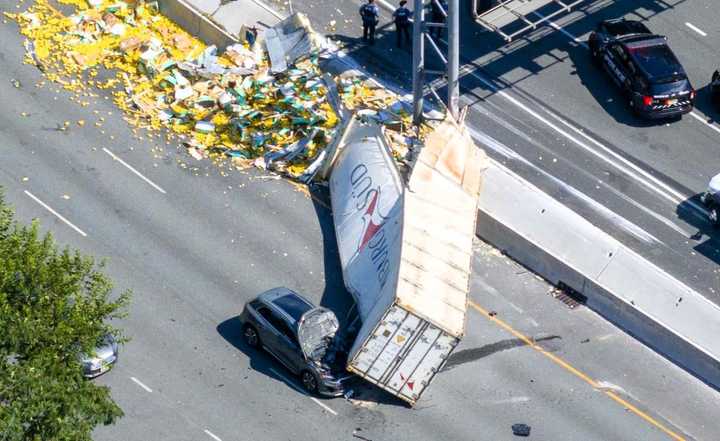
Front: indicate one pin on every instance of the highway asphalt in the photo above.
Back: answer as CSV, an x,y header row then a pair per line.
x,y
553,118
194,243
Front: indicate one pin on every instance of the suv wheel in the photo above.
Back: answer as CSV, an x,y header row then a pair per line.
x,y
309,382
251,337
714,215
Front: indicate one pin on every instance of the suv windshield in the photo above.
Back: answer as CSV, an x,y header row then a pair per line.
x,y
293,305
658,62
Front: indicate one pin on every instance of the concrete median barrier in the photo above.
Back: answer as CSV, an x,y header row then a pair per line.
x,y
628,290
539,232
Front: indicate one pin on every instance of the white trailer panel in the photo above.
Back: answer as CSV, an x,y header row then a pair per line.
x,y
403,354
406,254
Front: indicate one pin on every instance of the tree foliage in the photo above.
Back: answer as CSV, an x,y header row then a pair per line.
x,y
55,305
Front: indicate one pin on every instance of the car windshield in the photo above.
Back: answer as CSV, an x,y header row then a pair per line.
x,y
293,305
626,27
658,62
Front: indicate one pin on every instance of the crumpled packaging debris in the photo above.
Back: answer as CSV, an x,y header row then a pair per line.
x,y
266,105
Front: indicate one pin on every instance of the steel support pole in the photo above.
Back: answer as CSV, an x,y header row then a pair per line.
x,y
418,60
453,24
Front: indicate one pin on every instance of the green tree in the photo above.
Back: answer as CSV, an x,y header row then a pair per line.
x,y
55,305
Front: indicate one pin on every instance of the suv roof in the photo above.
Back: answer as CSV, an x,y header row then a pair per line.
x,y
656,60
291,303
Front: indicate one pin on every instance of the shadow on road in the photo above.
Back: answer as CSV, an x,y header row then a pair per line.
x,y
264,363
260,361
707,237
703,102
613,100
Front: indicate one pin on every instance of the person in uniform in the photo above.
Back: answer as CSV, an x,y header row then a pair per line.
x,y
402,23
369,13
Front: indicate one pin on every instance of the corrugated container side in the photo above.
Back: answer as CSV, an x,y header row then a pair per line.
x,y
402,354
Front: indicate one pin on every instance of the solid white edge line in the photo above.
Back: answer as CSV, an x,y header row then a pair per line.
x,y
212,435
704,121
58,215
130,167
139,383
557,27
319,403
269,9
292,383
696,29
670,194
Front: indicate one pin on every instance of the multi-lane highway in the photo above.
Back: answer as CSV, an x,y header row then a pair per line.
x,y
194,243
554,118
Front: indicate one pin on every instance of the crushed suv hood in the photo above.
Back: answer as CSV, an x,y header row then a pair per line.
x,y
316,331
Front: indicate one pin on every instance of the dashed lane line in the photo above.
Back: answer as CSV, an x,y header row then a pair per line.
x,y
132,169
58,215
212,435
140,383
696,29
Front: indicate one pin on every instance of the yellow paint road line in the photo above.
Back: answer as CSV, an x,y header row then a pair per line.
x,y
568,367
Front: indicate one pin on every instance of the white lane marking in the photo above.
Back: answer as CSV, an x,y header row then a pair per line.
x,y
139,383
696,29
602,210
515,307
58,215
130,167
269,9
557,27
212,435
319,403
650,182
703,120
292,383
693,113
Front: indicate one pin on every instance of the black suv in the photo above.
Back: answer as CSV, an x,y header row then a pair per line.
x,y
644,67
300,335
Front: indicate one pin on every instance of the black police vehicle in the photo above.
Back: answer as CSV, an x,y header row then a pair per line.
x,y
644,67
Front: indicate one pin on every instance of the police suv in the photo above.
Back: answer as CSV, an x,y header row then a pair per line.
x,y
644,67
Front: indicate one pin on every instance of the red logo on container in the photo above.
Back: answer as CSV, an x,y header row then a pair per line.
x,y
409,384
373,220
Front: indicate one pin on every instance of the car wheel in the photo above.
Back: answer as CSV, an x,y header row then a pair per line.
x,y
714,216
251,337
309,381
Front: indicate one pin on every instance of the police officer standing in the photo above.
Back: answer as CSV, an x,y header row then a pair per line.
x,y
402,23
369,13
437,16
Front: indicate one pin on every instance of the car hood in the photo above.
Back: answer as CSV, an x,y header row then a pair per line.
x,y
316,331
714,185
106,350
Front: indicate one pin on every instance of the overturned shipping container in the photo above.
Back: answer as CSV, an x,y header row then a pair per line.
x,y
406,251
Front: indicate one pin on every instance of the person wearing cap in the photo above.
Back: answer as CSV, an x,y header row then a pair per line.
x,y
370,16
402,23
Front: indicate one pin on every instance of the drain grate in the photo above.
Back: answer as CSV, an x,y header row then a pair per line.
x,y
568,296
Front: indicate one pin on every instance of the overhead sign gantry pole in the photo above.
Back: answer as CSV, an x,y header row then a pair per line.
x,y
451,61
